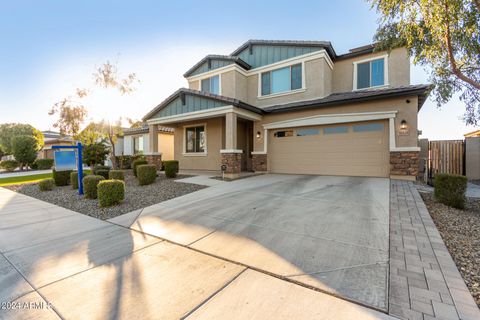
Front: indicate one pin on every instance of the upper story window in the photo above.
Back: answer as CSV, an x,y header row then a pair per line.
x,y
211,85
138,145
281,80
370,74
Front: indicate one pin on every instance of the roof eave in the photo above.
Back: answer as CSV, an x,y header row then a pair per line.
x,y
421,92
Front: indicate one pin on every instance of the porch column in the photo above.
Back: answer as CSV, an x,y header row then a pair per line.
x,y
231,157
152,155
152,139
231,131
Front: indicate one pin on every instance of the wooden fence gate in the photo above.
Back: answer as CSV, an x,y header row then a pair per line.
x,y
445,156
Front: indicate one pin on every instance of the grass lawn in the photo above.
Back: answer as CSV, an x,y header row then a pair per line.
x,y
24,179
28,179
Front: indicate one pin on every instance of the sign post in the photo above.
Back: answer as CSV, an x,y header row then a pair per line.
x,y
68,160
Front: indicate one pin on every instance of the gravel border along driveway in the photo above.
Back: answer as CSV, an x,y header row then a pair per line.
x,y
136,197
460,230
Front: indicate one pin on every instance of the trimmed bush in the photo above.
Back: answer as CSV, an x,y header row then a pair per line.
x,y
100,167
110,192
137,163
43,164
61,178
125,161
450,189
9,165
146,174
171,168
74,179
46,184
102,172
90,183
116,175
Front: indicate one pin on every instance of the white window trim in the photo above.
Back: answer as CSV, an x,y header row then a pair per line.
x,y
276,65
385,72
194,154
284,93
133,143
211,76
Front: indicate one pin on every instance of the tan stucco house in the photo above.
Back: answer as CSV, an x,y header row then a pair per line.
x,y
296,107
136,141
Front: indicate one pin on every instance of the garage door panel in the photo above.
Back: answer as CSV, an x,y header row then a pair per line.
x,y
363,153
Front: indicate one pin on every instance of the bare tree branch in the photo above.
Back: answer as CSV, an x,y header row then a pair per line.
x,y
455,70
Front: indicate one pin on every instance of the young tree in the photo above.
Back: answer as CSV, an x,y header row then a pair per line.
x,y
441,35
10,130
24,149
112,132
71,114
95,153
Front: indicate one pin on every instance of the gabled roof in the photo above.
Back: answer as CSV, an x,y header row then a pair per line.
x,y
206,95
420,90
294,43
210,57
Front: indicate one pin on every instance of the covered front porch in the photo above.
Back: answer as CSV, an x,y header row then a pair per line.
x,y
210,132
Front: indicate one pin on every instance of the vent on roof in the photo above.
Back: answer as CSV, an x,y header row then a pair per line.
x,y
182,98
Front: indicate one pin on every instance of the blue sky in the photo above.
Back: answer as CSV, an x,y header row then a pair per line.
x,y
49,48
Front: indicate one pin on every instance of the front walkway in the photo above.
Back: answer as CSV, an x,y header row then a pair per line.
x,y
424,281
59,264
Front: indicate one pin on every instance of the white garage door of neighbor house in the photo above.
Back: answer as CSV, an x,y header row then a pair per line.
x,y
345,149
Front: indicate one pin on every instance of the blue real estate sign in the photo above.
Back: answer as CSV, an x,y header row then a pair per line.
x,y
65,160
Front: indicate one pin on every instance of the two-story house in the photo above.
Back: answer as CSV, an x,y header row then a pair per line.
x,y
296,107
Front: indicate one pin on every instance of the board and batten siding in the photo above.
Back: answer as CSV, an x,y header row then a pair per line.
x,y
263,55
192,103
214,64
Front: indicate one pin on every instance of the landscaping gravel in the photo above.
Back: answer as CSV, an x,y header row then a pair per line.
x,y
460,230
136,197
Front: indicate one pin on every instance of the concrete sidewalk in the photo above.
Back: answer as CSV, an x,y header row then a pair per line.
x,y
56,263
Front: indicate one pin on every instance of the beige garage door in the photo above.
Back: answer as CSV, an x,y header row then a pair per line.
x,y
352,149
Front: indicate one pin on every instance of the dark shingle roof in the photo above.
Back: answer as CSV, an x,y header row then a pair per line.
x,y
236,60
228,100
144,129
420,90
324,44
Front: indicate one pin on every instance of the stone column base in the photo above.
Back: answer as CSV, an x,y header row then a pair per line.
x,y
259,162
156,159
404,164
233,161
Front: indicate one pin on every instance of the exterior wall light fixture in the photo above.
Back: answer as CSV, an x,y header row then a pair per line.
x,y
258,134
403,124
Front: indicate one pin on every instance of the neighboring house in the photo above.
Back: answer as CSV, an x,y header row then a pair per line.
x,y
296,107
136,141
472,155
52,138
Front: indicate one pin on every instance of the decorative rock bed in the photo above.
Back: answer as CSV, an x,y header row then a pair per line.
x,y
136,197
460,230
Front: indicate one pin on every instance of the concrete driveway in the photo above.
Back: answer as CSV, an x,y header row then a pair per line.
x,y
329,233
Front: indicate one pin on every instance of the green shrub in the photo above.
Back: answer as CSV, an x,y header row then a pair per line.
x,y
90,183
116,175
74,179
98,167
137,163
102,172
146,174
125,161
34,165
61,178
46,184
171,168
450,189
9,165
110,192
43,164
